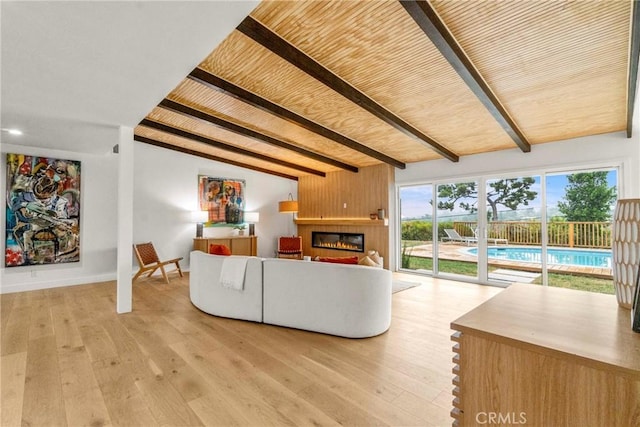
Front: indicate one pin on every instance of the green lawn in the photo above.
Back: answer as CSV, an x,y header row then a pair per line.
x,y
583,283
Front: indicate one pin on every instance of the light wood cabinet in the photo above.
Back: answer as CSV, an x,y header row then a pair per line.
x,y
239,245
546,356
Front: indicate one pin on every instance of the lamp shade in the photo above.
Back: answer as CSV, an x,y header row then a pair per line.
x,y
199,216
288,206
251,217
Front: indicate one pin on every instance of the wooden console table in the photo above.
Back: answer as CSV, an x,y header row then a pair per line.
x,y
545,356
239,245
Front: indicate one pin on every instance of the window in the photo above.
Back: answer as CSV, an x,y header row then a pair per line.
x,y
550,228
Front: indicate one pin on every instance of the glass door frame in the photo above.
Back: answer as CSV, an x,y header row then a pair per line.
x,y
481,211
481,179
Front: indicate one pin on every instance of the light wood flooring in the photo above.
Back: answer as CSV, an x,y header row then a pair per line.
x,y
69,360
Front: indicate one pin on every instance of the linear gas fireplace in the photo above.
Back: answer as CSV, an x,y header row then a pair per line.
x,y
339,241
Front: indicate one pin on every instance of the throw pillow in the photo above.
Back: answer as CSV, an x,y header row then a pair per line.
x,y
219,250
375,257
367,261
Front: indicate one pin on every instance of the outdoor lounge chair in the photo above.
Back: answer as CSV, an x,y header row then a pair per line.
x,y
495,240
453,236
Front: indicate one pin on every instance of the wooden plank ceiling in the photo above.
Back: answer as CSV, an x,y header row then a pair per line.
x,y
310,87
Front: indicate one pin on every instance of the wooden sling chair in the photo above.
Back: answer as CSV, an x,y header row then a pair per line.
x,y
290,247
149,261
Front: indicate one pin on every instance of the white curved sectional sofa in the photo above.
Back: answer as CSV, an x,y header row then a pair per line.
x,y
346,300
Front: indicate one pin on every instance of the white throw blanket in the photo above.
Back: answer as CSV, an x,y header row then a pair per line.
x,y
233,272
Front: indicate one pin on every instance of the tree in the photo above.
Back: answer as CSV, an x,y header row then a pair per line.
x,y
588,197
510,193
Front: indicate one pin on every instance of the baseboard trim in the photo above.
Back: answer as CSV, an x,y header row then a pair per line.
x,y
35,286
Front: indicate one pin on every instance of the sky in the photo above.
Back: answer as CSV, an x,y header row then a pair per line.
x,y
415,199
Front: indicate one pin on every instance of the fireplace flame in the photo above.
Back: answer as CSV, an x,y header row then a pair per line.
x,y
338,241
338,245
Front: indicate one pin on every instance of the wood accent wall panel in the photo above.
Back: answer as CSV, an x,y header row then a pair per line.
x,y
376,238
364,193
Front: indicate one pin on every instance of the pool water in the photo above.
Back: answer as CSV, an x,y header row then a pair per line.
x,y
578,257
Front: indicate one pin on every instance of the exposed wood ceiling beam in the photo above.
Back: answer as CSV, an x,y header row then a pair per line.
x,y
226,147
429,21
218,84
210,157
272,41
233,127
634,54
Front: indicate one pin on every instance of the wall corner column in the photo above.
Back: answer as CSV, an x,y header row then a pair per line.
x,y
125,220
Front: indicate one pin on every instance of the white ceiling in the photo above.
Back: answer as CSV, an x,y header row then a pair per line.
x,y
72,72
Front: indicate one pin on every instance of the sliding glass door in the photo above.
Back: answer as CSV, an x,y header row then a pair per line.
x,y
457,218
416,228
548,228
579,215
512,236
435,236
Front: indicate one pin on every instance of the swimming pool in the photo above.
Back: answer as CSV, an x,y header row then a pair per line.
x,y
578,257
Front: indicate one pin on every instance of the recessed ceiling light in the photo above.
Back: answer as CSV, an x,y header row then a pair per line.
x,y
12,131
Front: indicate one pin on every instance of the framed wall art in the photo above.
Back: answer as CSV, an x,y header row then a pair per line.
x,y
223,198
43,211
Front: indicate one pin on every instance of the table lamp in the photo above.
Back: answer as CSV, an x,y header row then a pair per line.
x,y
199,217
252,218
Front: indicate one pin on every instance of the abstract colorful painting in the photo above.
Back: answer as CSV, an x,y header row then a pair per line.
x,y
223,198
43,211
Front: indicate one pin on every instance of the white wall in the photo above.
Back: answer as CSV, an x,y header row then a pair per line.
x,y
614,150
610,149
166,192
97,225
